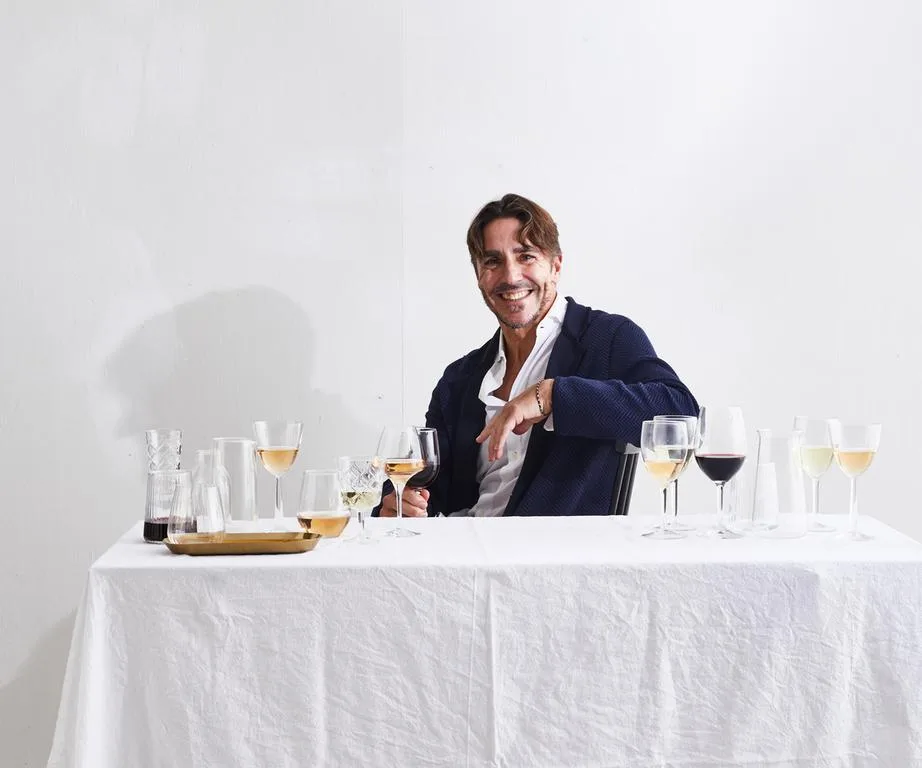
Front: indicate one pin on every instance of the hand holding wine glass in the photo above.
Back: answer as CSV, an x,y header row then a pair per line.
x,y
400,453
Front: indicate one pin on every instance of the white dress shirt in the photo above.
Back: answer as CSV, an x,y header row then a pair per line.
x,y
497,478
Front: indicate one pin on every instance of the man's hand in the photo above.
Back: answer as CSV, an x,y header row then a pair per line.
x,y
517,416
415,503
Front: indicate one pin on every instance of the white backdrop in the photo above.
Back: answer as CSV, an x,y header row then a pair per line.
x,y
219,211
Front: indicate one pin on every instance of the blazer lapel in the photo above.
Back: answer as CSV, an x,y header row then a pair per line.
x,y
565,360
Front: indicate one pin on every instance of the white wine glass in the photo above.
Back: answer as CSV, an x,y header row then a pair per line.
x,y
400,454
361,479
691,425
720,453
664,449
815,459
277,445
320,503
854,447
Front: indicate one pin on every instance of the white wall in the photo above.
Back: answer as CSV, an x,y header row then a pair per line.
x,y
211,211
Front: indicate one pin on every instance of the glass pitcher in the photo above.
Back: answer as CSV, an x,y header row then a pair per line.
x,y
779,509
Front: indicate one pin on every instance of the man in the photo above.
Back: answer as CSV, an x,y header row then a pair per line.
x,y
533,422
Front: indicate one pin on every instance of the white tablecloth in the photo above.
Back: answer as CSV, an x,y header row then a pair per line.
x,y
558,642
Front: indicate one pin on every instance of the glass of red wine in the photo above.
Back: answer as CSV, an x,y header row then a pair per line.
x,y
720,454
429,448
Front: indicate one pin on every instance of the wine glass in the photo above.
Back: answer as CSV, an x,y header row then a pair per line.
x,y
360,479
854,447
277,444
815,458
664,449
429,449
400,453
320,504
691,425
720,453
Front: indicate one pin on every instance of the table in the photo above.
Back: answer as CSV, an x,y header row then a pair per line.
x,y
564,642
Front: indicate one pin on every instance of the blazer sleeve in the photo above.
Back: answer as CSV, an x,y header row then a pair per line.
x,y
641,386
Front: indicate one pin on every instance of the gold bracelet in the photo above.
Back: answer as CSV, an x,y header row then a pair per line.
x,y
538,398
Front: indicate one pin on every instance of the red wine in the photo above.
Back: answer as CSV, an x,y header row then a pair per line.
x,y
424,477
720,467
155,530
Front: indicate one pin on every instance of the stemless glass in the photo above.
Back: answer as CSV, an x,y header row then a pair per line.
x,y
235,476
277,445
161,489
720,453
854,447
429,449
815,458
361,478
691,425
400,453
320,505
664,449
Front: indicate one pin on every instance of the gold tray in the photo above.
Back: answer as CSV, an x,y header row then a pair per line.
x,y
248,545
263,536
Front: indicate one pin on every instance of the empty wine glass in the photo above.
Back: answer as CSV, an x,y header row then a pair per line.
x,y
400,453
854,447
664,449
720,454
691,425
277,445
360,480
815,458
320,505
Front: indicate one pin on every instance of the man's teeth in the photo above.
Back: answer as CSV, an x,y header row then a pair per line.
x,y
515,296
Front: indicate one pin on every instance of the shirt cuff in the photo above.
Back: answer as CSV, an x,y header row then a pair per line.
x,y
549,423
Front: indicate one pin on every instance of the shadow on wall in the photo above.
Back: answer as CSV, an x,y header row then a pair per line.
x,y
30,700
213,365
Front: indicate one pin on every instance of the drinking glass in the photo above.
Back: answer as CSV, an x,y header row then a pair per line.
x,y
720,453
691,425
664,450
815,458
320,505
277,445
778,509
429,449
196,519
400,453
161,487
163,448
235,476
854,447
360,479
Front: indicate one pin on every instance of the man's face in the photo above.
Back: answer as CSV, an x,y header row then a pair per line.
x,y
518,281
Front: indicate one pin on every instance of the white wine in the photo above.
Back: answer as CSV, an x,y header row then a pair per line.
x,y
664,471
329,524
361,499
853,463
815,459
277,460
401,470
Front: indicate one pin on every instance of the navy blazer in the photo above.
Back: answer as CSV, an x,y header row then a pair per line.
x,y
607,381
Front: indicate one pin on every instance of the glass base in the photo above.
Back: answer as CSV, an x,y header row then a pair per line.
x,y
853,536
721,533
815,526
401,533
663,534
677,526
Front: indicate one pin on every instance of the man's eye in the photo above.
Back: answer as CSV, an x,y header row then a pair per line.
x,y
490,262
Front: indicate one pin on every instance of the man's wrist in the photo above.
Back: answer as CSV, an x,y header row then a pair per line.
x,y
544,394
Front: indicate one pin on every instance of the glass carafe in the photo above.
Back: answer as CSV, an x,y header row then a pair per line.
x,y
779,507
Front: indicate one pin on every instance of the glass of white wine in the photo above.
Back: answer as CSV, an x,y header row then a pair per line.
x,y
854,447
320,504
361,479
815,458
277,445
400,454
691,424
664,448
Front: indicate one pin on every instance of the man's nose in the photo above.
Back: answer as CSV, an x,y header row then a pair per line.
x,y
512,271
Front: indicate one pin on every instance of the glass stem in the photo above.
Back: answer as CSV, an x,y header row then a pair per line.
x,y
816,500
721,522
675,498
398,489
853,506
278,498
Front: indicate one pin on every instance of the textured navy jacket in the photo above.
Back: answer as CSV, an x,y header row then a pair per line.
x,y
607,381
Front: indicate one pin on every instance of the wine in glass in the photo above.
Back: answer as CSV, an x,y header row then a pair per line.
x,y
691,425
854,447
320,507
720,453
360,479
664,449
429,450
400,453
815,458
277,445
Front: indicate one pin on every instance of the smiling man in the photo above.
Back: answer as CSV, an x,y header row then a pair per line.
x,y
533,422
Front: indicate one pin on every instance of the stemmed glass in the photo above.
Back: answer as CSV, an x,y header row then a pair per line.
x,y
400,453
664,449
815,458
361,478
691,425
429,450
854,447
720,453
277,445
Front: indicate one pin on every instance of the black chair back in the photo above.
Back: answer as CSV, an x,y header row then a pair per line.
x,y
624,480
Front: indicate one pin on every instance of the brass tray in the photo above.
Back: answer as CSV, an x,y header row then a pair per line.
x,y
247,544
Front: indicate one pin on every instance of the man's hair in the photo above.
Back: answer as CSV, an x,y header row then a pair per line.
x,y
537,225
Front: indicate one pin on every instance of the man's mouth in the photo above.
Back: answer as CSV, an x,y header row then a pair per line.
x,y
515,295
